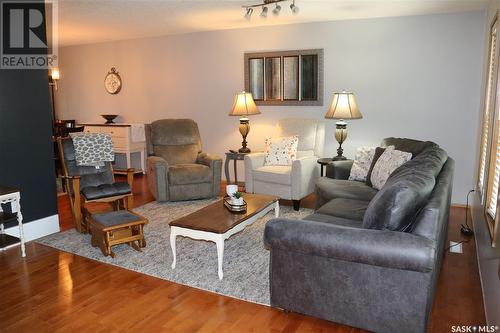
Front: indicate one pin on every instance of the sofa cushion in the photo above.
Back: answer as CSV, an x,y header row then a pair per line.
x,y
346,208
182,174
105,190
278,174
340,188
317,217
414,147
397,204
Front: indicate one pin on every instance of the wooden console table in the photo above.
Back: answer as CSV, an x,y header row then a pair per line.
x,y
12,196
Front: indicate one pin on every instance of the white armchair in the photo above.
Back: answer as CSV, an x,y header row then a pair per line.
x,y
289,182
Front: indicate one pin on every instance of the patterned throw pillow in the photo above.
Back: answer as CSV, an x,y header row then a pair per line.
x,y
389,161
281,151
362,161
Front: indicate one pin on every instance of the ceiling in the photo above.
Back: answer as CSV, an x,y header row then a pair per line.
x,y
92,21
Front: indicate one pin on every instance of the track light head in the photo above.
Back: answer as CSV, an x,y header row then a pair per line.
x,y
294,8
248,14
263,14
276,10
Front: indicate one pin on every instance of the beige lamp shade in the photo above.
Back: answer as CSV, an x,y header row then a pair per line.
x,y
343,106
55,74
244,105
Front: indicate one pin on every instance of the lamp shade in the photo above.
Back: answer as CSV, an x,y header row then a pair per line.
x,y
343,106
244,105
55,74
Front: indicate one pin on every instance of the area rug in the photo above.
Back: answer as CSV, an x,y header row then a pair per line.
x,y
246,261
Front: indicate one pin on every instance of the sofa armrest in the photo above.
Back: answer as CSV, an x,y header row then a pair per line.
x,y
215,165
252,162
339,169
158,177
384,248
304,175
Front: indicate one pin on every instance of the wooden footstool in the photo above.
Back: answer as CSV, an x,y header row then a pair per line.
x,y
117,227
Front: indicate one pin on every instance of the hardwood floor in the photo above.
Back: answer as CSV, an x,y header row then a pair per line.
x,y
54,291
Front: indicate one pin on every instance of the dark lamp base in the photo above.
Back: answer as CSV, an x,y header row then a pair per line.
x,y
244,150
339,158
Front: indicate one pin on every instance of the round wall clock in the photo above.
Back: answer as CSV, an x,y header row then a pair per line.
x,y
113,82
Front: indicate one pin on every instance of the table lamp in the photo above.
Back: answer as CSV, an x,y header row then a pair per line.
x,y
244,106
343,107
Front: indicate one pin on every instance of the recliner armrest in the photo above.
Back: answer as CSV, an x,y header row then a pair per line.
x,y
384,248
339,169
157,162
208,160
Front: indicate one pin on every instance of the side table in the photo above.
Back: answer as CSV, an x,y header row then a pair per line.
x,y
12,196
323,162
235,157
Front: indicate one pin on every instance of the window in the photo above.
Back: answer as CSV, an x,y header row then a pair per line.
x,y
489,159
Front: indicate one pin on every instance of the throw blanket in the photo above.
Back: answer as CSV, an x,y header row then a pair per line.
x,y
138,134
93,149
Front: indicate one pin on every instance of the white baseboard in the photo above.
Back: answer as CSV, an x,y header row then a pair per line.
x,y
36,229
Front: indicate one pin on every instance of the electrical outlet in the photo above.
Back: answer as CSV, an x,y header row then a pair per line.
x,y
455,247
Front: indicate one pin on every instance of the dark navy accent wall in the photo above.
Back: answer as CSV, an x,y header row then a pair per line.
x,y
26,150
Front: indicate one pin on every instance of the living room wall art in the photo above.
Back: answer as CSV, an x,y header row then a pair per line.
x,y
285,77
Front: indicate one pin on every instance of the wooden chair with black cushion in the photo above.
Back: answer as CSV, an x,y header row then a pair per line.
x,y
87,184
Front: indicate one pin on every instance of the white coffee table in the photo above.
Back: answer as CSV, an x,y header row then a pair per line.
x,y
216,223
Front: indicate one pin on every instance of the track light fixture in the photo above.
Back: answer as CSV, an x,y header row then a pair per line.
x,y
263,14
248,14
276,11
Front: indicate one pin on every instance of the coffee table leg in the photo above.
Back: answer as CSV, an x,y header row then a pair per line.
x,y
173,236
220,256
277,209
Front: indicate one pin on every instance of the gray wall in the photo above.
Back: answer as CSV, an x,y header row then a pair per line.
x,y
488,257
415,76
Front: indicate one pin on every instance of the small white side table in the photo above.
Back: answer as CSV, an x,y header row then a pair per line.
x,y
12,196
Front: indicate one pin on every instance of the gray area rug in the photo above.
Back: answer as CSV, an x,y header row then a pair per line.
x,y
246,261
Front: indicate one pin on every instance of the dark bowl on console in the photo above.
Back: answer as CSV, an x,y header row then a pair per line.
x,y
109,118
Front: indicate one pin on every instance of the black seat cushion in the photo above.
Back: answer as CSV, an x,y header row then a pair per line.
x,y
106,190
346,208
114,218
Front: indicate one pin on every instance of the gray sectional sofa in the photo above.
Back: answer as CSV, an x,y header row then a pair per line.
x,y
367,258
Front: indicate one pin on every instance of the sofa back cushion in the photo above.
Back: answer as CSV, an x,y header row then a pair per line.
x,y
397,204
176,140
412,146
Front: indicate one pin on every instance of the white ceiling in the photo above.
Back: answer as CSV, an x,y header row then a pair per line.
x,y
92,21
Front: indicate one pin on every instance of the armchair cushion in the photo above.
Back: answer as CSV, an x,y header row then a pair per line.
x,y
106,190
278,174
177,154
183,174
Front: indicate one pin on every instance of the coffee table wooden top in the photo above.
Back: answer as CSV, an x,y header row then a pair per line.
x,y
218,219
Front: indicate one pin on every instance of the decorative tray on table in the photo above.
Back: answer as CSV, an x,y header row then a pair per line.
x,y
234,208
